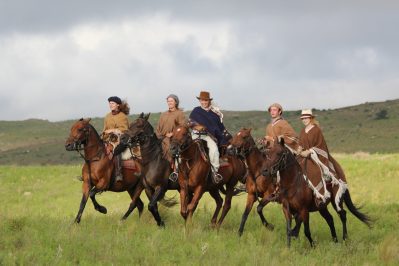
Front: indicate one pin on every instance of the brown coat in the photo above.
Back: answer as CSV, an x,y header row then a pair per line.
x,y
116,121
166,124
314,139
281,127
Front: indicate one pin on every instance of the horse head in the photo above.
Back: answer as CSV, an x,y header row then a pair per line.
x,y
138,131
180,140
241,143
78,135
277,158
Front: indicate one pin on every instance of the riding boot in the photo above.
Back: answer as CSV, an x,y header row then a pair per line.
x,y
118,168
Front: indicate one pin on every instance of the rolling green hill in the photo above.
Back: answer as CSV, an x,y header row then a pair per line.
x,y
369,127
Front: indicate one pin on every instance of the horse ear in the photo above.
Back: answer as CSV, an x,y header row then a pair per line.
x,y
280,140
87,120
141,115
147,116
249,130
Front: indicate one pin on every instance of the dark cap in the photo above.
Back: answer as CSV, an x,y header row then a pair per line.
x,y
115,99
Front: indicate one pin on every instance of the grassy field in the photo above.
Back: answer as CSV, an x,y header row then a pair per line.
x,y
39,204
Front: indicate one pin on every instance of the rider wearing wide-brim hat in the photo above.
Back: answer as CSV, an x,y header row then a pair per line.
x,y
210,117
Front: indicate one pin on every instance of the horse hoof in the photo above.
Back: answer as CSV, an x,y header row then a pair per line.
x,y
102,209
269,226
161,224
335,240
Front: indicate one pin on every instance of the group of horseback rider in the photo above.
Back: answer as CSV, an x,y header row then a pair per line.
x,y
206,121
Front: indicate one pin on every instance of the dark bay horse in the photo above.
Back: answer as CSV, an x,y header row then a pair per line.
x,y
257,185
97,171
156,169
296,196
195,175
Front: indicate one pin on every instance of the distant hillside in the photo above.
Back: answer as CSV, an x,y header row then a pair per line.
x,y
369,127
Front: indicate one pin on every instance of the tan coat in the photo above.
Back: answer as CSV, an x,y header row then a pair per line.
x,y
118,121
281,127
166,124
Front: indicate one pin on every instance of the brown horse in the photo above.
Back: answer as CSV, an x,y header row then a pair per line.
x,y
296,196
97,171
257,185
194,175
156,169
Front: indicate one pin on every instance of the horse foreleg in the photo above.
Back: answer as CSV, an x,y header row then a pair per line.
x,y
330,221
97,206
219,202
85,196
227,203
298,223
136,201
198,192
153,205
250,202
183,202
305,218
288,218
265,200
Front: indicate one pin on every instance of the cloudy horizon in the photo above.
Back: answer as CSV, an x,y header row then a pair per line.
x,y
62,60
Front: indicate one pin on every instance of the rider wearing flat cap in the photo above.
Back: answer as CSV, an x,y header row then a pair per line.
x,y
117,122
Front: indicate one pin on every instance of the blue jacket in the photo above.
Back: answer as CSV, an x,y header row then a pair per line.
x,y
212,122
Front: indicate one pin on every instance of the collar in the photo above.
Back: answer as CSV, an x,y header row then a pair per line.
x,y
115,112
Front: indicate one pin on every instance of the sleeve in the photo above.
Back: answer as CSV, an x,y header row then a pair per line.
x,y
125,124
181,119
158,131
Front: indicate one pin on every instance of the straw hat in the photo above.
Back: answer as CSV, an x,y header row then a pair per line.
x,y
307,113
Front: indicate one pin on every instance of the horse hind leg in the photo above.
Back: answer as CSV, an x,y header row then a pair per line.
x,y
219,202
342,216
227,204
330,221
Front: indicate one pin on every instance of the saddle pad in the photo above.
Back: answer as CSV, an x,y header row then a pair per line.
x,y
129,164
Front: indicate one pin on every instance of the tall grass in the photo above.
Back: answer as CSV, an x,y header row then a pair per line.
x,y
39,205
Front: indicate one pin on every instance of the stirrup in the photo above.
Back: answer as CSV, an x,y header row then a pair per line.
x,y
173,176
216,177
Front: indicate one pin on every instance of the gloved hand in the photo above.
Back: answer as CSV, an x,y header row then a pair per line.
x,y
305,153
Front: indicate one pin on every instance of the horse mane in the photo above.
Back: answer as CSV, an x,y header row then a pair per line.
x,y
95,132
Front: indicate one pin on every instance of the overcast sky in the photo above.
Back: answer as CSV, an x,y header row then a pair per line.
x,y
62,59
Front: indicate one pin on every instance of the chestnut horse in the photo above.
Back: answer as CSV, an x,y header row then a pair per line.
x,y
257,185
194,175
156,169
295,194
97,171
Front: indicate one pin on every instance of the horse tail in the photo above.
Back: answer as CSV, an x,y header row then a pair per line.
x,y
356,210
168,201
